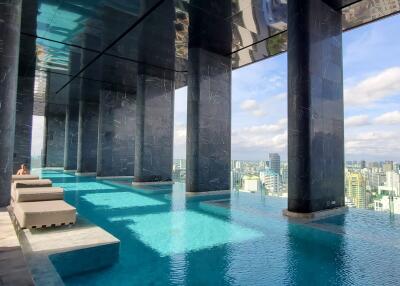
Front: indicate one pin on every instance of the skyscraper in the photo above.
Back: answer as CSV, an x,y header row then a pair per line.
x,y
355,189
388,166
275,162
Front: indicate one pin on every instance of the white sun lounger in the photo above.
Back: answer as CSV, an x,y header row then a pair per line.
x,y
23,177
44,214
37,194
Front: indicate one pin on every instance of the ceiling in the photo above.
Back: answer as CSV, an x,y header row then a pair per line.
x,y
108,41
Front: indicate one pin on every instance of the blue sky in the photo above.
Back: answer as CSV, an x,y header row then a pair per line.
x,y
372,100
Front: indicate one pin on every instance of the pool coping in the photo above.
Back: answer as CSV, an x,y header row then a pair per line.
x,y
315,215
38,261
138,184
85,174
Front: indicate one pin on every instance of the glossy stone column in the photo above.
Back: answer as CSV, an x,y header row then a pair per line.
x,y
315,107
26,84
155,95
87,138
71,136
72,116
10,18
116,144
154,129
88,112
23,122
209,122
55,135
208,151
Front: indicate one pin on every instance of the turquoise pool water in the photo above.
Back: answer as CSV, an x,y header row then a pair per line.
x,y
168,241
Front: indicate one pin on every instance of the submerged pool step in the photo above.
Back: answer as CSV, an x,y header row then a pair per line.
x,y
70,250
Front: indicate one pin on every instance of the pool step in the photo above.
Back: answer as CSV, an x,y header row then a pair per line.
x,y
69,250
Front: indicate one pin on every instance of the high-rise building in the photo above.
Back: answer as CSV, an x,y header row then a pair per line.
x,y
250,184
396,167
271,181
355,189
275,162
363,164
388,166
284,173
236,178
237,165
392,184
376,179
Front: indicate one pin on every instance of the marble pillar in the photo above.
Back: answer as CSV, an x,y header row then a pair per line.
x,y
23,122
208,122
87,138
25,89
72,116
10,18
71,136
315,107
208,151
116,144
55,135
155,95
154,128
88,112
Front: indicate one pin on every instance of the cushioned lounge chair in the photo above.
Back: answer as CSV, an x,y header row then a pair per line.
x,y
37,194
44,214
32,183
37,204
23,177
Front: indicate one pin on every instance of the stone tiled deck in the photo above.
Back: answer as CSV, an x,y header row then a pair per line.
x,y
13,267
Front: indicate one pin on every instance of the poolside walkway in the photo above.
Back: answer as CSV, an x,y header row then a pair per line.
x,y
13,267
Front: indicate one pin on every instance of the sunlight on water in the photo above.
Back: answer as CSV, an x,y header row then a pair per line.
x,y
120,200
84,186
184,231
55,175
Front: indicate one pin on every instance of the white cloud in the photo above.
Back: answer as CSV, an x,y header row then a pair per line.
x,y
258,112
357,120
248,104
388,118
374,88
261,138
253,107
378,144
280,96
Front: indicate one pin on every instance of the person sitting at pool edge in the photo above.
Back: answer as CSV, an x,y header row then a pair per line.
x,y
23,170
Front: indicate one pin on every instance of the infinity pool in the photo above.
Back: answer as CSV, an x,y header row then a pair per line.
x,y
168,241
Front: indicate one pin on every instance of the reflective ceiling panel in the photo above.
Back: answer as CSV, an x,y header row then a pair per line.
x,y
111,40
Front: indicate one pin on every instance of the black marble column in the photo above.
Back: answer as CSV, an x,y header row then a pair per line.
x,y
315,107
72,116
209,99
154,128
55,135
155,95
23,122
116,145
88,112
25,90
71,136
10,18
87,137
